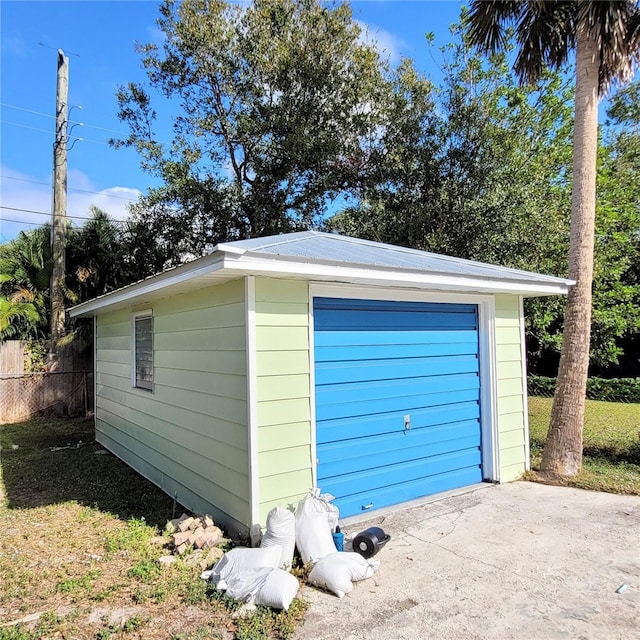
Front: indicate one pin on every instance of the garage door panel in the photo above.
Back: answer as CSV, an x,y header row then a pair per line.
x,y
364,426
399,406
338,394
381,351
376,338
393,368
394,319
396,494
376,362
388,449
372,480
416,438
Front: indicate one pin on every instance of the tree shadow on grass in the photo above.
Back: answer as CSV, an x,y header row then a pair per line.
x,y
615,455
609,454
47,462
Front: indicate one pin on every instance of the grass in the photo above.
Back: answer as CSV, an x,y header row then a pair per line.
x,y
611,445
77,549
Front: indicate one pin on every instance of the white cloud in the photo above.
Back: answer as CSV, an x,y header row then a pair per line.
x,y
29,199
388,44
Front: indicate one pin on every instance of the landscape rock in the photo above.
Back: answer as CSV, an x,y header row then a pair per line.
x,y
167,560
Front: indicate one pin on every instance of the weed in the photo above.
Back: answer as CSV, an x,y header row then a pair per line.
x,y
74,584
17,633
266,623
145,570
132,624
134,537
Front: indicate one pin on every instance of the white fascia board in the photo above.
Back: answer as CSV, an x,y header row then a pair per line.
x,y
150,285
339,273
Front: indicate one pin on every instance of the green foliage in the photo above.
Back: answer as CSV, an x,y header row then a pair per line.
x,y
25,272
145,570
275,107
77,584
134,537
267,623
17,632
605,389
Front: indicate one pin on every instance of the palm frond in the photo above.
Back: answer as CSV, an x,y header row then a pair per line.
x,y
616,28
489,21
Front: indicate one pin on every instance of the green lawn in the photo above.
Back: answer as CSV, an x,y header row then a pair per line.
x,y
79,549
611,445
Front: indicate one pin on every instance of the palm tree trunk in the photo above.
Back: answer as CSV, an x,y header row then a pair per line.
x,y
563,449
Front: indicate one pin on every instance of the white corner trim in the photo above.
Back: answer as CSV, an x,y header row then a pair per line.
x,y
525,397
489,390
252,399
312,392
95,371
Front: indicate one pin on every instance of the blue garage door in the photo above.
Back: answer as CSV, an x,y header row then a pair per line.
x,y
397,400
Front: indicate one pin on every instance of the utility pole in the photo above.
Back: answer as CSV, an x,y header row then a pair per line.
x,y
59,214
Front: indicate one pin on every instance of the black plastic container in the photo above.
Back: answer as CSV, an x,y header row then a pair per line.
x,y
370,541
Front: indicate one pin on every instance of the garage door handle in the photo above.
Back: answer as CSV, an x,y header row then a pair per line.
x,y
367,506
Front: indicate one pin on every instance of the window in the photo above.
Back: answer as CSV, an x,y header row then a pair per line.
x,y
143,351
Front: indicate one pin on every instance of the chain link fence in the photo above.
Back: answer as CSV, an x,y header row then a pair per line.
x,y
29,395
606,389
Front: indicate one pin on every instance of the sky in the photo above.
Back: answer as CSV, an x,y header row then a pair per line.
x,y
98,37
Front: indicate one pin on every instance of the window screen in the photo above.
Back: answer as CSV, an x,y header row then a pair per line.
x,y
144,352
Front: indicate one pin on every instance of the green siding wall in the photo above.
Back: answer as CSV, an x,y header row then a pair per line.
x,y
283,384
511,388
190,435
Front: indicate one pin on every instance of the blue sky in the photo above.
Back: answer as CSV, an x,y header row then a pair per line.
x,y
98,37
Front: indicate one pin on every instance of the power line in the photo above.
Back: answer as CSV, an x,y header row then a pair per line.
x,y
2,206
38,113
37,224
47,115
25,126
42,213
48,184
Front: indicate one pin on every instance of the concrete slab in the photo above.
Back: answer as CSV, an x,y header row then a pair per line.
x,y
519,561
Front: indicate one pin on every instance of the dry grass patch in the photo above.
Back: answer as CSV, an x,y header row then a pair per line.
x,y
79,549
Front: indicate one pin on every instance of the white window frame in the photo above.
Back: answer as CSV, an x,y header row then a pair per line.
x,y
140,315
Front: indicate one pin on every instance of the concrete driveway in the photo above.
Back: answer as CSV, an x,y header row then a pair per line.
x,y
516,561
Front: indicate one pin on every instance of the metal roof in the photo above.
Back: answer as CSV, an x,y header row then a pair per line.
x,y
327,257
328,247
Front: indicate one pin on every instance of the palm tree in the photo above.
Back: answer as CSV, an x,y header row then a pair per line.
x,y
606,39
25,272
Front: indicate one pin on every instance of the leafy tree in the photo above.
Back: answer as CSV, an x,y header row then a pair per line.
x,y
606,40
473,167
272,103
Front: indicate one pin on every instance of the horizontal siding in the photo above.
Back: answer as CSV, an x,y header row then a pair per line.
x,y
283,386
189,436
510,388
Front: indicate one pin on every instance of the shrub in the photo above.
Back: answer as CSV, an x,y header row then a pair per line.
x,y
607,389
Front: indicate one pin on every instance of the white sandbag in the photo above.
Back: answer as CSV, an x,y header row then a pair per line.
x,y
245,585
315,519
278,590
315,502
337,571
313,537
281,532
243,559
